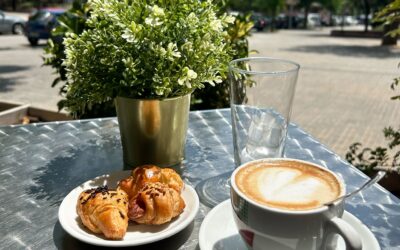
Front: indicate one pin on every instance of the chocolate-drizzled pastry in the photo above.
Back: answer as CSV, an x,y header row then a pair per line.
x,y
104,211
155,204
150,173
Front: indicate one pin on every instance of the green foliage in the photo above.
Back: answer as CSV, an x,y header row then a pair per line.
x,y
145,49
336,6
395,83
218,96
73,21
390,14
271,7
367,159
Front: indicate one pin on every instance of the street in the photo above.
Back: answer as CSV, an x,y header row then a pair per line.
x,y
23,79
342,96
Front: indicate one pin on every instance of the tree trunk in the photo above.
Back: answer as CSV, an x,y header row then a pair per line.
x,y
273,21
386,39
306,10
14,5
367,11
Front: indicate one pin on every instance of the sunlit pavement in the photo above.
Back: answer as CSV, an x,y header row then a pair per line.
x,y
342,94
23,79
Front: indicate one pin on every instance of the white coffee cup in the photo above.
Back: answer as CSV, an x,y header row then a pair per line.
x,y
263,226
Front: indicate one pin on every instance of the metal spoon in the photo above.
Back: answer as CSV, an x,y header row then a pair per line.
x,y
378,176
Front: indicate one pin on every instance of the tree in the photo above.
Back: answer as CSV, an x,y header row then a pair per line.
x,y
14,5
390,17
306,4
240,5
368,7
335,6
270,7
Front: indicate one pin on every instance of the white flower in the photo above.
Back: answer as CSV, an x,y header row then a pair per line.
x,y
156,16
172,51
128,36
188,46
157,11
216,25
188,75
162,51
153,21
229,19
192,19
212,82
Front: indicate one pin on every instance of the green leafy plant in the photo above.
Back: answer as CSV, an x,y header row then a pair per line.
x,y
72,21
145,49
381,158
390,14
217,96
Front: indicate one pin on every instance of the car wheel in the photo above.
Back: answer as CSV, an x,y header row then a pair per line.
x,y
18,29
33,41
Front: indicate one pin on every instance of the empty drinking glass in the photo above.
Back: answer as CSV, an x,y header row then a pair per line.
x,y
262,91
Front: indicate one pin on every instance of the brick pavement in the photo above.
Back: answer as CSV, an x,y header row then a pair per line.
x,y
343,88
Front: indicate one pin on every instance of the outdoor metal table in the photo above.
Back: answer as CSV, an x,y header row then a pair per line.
x,y
41,163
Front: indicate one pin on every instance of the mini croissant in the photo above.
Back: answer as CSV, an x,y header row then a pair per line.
x,y
150,173
104,211
155,204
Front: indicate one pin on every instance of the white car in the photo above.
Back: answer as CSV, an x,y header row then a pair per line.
x,y
11,24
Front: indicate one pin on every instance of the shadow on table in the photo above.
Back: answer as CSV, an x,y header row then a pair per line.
x,y
62,240
349,50
75,166
384,217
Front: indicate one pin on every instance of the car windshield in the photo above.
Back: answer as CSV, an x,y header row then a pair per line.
x,y
39,15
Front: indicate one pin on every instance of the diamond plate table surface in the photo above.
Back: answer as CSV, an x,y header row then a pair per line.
x,y
41,163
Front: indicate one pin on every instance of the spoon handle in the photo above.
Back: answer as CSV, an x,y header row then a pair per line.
x,y
379,175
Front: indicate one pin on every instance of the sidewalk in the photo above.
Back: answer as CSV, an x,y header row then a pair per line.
x,y
343,91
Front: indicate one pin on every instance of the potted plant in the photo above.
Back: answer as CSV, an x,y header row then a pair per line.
x,y
149,56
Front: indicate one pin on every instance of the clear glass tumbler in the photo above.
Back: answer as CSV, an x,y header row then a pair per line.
x,y
262,91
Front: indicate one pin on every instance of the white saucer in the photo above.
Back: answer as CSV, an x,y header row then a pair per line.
x,y
218,231
136,234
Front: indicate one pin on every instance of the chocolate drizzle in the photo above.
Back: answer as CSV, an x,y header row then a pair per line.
x,y
94,191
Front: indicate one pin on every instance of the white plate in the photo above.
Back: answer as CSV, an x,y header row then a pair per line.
x,y
218,231
136,234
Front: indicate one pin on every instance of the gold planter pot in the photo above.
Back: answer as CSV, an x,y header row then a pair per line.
x,y
153,131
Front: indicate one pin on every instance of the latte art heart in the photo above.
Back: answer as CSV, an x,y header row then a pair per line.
x,y
286,185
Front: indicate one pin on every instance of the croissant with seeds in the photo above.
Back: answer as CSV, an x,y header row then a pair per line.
x,y
150,173
155,204
104,211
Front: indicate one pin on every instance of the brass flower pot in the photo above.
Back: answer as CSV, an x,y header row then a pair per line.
x,y
153,131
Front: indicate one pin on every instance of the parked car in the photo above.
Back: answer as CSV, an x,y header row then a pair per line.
x,y
314,20
40,24
260,22
284,21
344,20
11,24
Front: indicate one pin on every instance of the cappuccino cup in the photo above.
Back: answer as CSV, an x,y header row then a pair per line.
x,y
278,204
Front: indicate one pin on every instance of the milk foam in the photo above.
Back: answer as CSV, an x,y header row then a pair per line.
x,y
296,186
